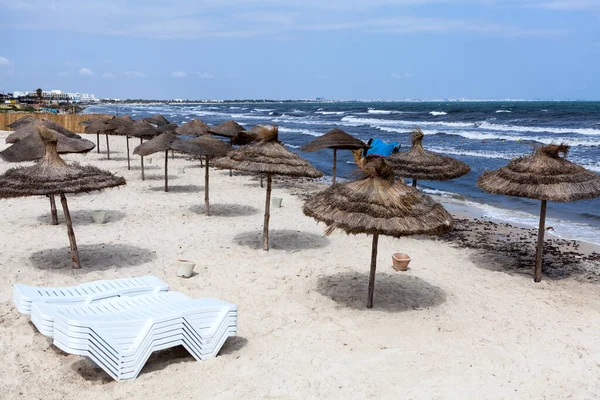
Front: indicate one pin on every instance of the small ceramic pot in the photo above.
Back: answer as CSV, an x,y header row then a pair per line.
x,y
99,216
276,202
400,261
185,268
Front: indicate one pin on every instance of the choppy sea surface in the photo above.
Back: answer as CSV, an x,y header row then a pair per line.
x,y
486,135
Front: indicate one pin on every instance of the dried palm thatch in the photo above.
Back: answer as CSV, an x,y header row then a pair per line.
x,y
170,127
52,176
161,142
21,122
194,127
228,129
33,148
206,146
107,126
157,119
545,176
267,156
140,129
378,205
335,139
420,164
31,128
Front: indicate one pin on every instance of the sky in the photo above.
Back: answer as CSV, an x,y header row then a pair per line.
x,y
303,49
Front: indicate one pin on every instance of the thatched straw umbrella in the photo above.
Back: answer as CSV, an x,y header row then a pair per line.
x,y
140,129
53,176
425,165
226,129
107,126
157,119
21,121
194,127
378,205
24,130
32,147
267,156
545,176
335,139
159,143
206,146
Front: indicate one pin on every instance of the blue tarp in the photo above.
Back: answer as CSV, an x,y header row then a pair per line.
x,y
381,148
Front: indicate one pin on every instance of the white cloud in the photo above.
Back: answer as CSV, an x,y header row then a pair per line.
x,y
205,75
85,72
108,75
179,74
134,74
4,61
63,73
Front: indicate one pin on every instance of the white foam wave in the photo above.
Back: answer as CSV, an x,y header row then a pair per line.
x,y
377,123
474,135
503,111
438,113
471,153
293,146
263,109
375,111
330,112
299,130
539,129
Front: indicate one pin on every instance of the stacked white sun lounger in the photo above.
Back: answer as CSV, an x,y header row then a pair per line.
x,y
120,333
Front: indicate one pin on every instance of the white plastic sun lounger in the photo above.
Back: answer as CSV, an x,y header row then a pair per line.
x,y
120,334
24,296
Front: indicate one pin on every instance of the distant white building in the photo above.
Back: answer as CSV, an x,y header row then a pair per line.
x,y
59,95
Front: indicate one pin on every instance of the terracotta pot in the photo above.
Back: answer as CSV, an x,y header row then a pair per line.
x,y
400,261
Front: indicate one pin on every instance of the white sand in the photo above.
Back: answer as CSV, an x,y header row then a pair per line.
x,y
448,328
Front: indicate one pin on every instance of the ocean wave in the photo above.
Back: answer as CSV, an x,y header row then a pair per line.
x,y
330,112
474,135
438,113
299,130
293,146
377,123
375,111
539,129
263,109
482,154
503,111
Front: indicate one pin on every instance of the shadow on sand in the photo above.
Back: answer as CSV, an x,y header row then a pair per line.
x,y
393,293
284,239
178,188
93,257
225,210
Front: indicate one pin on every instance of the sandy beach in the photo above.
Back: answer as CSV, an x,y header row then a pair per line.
x,y
466,321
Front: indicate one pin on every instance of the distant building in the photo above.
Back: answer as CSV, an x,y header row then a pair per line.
x,y
56,95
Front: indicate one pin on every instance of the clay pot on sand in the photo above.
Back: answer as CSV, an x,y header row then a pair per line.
x,y
400,261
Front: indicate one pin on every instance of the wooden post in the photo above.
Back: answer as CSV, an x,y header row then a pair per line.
x,y
70,232
373,268
143,178
206,201
166,170
230,173
173,154
128,162
53,210
98,142
537,274
267,215
107,148
414,183
261,181
334,165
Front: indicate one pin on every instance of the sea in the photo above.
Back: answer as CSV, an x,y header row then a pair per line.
x,y
485,135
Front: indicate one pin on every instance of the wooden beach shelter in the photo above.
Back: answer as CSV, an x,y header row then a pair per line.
x,y
207,147
24,130
193,127
545,176
419,164
377,204
267,156
21,121
226,129
52,176
108,126
140,129
157,119
335,139
159,143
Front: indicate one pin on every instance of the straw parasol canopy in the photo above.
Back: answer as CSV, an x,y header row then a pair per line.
x,y
159,143
206,146
335,139
52,176
107,126
267,156
227,129
140,129
157,119
21,122
425,165
33,148
547,176
377,204
29,128
194,127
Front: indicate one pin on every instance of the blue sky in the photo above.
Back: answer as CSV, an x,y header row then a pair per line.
x,y
337,49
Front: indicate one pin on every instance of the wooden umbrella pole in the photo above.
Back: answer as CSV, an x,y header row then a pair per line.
x,y
143,178
107,148
206,201
414,182
373,268
537,275
334,165
166,170
70,232
230,173
267,215
173,154
128,162
98,142
261,182
53,209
